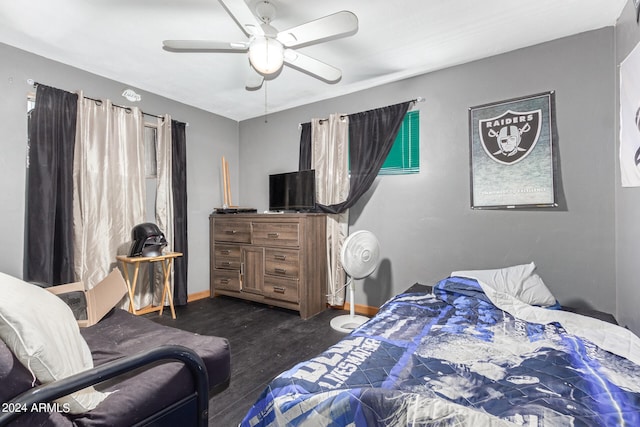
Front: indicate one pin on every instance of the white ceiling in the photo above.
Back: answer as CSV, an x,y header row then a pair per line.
x,y
122,40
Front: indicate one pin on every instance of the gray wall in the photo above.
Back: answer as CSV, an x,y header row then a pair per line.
x,y
424,223
627,200
209,137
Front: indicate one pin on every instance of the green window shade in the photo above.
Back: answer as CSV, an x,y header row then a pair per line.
x,y
404,157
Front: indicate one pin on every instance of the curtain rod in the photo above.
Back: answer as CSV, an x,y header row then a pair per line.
x,y
413,101
35,84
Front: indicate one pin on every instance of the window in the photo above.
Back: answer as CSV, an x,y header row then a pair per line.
x,y
150,141
150,170
404,157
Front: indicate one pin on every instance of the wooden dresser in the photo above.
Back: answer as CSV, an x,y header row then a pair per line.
x,y
276,259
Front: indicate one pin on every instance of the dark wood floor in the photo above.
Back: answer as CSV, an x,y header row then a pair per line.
x,y
264,341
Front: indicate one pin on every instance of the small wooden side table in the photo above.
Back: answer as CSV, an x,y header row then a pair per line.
x,y
167,262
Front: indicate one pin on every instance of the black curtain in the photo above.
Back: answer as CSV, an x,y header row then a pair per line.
x,y
371,136
48,247
179,184
305,147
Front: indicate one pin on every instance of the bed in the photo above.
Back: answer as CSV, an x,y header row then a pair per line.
x,y
474,351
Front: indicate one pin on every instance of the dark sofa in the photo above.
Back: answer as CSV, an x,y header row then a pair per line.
x,y
156,394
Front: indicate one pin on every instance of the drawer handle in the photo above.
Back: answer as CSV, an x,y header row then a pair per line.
x,y
230,231
280,270
226,263
273,235
278,289
224,281
280,257
225,251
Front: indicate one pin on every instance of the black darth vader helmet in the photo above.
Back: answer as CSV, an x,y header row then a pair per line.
x,y
148,240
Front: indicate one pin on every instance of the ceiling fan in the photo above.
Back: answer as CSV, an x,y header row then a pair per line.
x,y
269,48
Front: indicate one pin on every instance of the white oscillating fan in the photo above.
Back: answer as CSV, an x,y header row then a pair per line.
x,y
359,257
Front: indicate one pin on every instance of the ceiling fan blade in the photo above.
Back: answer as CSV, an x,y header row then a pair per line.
x,y
312,66
204,46
333,26
254,79
243,16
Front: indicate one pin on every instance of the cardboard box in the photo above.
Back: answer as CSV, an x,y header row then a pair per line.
x,y
89,306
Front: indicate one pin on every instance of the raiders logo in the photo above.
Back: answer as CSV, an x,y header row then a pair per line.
x,y
511,136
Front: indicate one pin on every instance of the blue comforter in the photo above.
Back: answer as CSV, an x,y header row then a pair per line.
x,y
453,358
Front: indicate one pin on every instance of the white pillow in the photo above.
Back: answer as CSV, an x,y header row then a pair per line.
x,y
43,334
519,281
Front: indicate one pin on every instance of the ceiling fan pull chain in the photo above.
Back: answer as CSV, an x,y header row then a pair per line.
x,y
265,101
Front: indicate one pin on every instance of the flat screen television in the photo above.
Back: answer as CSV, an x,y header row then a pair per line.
x,y
293,191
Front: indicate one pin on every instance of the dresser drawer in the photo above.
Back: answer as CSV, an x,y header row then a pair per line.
x,y
227,257
228,280
276,234
282,262
278,260
281,288
232,231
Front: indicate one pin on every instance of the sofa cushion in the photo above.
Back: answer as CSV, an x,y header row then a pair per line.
x,y
141,393
14,377
41,331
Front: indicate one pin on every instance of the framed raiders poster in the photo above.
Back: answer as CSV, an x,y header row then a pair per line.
x,y
512,153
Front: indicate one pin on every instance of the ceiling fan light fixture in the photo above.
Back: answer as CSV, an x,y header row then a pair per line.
x,y
266,55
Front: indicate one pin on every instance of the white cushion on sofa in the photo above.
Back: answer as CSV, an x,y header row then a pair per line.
x,y
43,334
519,281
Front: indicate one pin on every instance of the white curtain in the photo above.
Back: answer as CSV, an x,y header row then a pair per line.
x,y
108,175
164,200
329,158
